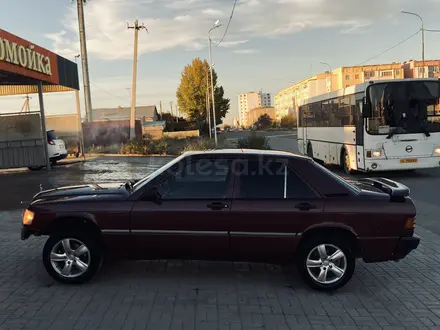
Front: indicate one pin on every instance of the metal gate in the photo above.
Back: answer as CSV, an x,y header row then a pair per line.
x,y
21,140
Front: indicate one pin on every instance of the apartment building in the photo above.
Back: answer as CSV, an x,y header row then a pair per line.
x,y
249,101
414,69
289,99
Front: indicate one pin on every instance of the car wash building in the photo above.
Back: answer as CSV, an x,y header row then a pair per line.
x,y
26,68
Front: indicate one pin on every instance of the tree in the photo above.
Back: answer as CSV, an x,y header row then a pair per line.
x,y
263,122
192,92
288,121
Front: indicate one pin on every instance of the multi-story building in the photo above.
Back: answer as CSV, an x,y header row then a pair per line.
x,y
414,69
288,100
249,101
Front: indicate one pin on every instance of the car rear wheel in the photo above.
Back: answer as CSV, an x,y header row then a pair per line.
x,y
72,258
326,263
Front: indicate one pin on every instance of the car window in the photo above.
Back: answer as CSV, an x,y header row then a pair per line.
x,y
273,180
51,135
201,179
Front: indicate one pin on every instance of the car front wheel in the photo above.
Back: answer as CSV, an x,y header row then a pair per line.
x,y
326,263
72,258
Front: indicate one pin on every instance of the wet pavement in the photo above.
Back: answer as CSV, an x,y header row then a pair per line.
x,y
23,185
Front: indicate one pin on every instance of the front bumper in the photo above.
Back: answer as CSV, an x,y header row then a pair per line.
x,y
405,246
25,233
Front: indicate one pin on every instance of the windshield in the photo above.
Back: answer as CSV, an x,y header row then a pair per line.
x,y
145,180
404,107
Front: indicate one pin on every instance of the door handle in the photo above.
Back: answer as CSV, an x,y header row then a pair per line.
x,y
305,206
217,206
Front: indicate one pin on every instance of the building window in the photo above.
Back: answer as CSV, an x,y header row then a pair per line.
x,y
397,72
356,76
386,73
347,77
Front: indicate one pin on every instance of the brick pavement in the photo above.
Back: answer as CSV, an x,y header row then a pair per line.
x,y
206,295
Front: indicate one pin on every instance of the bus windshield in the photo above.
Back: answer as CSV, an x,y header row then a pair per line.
x,y
404,107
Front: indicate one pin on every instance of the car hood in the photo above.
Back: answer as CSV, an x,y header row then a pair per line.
x,y
86,190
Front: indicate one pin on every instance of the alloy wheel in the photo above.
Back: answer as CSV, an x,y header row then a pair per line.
x,y
70,257
326,263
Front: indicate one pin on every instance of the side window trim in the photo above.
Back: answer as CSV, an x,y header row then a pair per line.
x,y
230,180
237,181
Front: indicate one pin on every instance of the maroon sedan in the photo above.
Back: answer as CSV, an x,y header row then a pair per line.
x,y
239,205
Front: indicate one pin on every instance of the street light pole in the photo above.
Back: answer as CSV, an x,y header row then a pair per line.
x,y
423,37
216,25
208,106
330,71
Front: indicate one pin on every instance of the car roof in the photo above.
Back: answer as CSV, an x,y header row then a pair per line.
x,y
245,152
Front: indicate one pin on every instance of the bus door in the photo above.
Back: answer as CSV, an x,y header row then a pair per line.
x,y
360,154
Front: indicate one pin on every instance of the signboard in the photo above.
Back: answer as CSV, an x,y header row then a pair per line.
x,y
22,57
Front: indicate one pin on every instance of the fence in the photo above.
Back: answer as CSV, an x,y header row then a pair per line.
x,y
21,140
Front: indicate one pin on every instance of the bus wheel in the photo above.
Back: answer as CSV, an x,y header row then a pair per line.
x,y
310,150
345,162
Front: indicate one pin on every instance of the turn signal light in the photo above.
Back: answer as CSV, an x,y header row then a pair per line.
x,y
28,217
410,223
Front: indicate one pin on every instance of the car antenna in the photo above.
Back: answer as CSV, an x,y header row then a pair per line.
x,y
41,187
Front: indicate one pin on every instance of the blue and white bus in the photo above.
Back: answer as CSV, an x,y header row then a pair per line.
x,y
382,125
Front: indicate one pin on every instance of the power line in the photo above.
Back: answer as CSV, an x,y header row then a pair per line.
x,y
115,96
227,26
387,50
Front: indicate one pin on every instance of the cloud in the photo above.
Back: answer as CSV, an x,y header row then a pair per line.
x,y
229,44
245,51
184,23
212,12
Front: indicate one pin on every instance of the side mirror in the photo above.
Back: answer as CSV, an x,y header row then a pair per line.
x,y
152,195
366,108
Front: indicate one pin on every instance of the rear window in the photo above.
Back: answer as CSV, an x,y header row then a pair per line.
x,y
51,135
351,187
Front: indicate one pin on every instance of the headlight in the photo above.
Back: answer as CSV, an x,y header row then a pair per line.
x,y
437,151
375,154
28,217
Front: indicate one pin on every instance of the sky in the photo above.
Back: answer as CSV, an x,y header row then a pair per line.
x,y
270,44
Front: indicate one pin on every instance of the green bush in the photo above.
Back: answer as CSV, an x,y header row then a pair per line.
x,y
200,144
253,141
146,146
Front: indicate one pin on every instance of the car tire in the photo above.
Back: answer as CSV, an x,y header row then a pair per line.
x,y
325,274
67,261
53,162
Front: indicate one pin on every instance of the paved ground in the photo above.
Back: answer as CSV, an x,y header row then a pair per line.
x,y
201,295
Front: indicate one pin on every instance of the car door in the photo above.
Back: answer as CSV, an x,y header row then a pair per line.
x,y
271,207
185,216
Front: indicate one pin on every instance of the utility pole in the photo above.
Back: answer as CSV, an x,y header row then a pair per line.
x,y
160,109
171,110
26,106
177,112
85,62
79,123
136,28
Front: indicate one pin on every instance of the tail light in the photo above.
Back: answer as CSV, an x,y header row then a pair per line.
x,y
51,142
410,223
